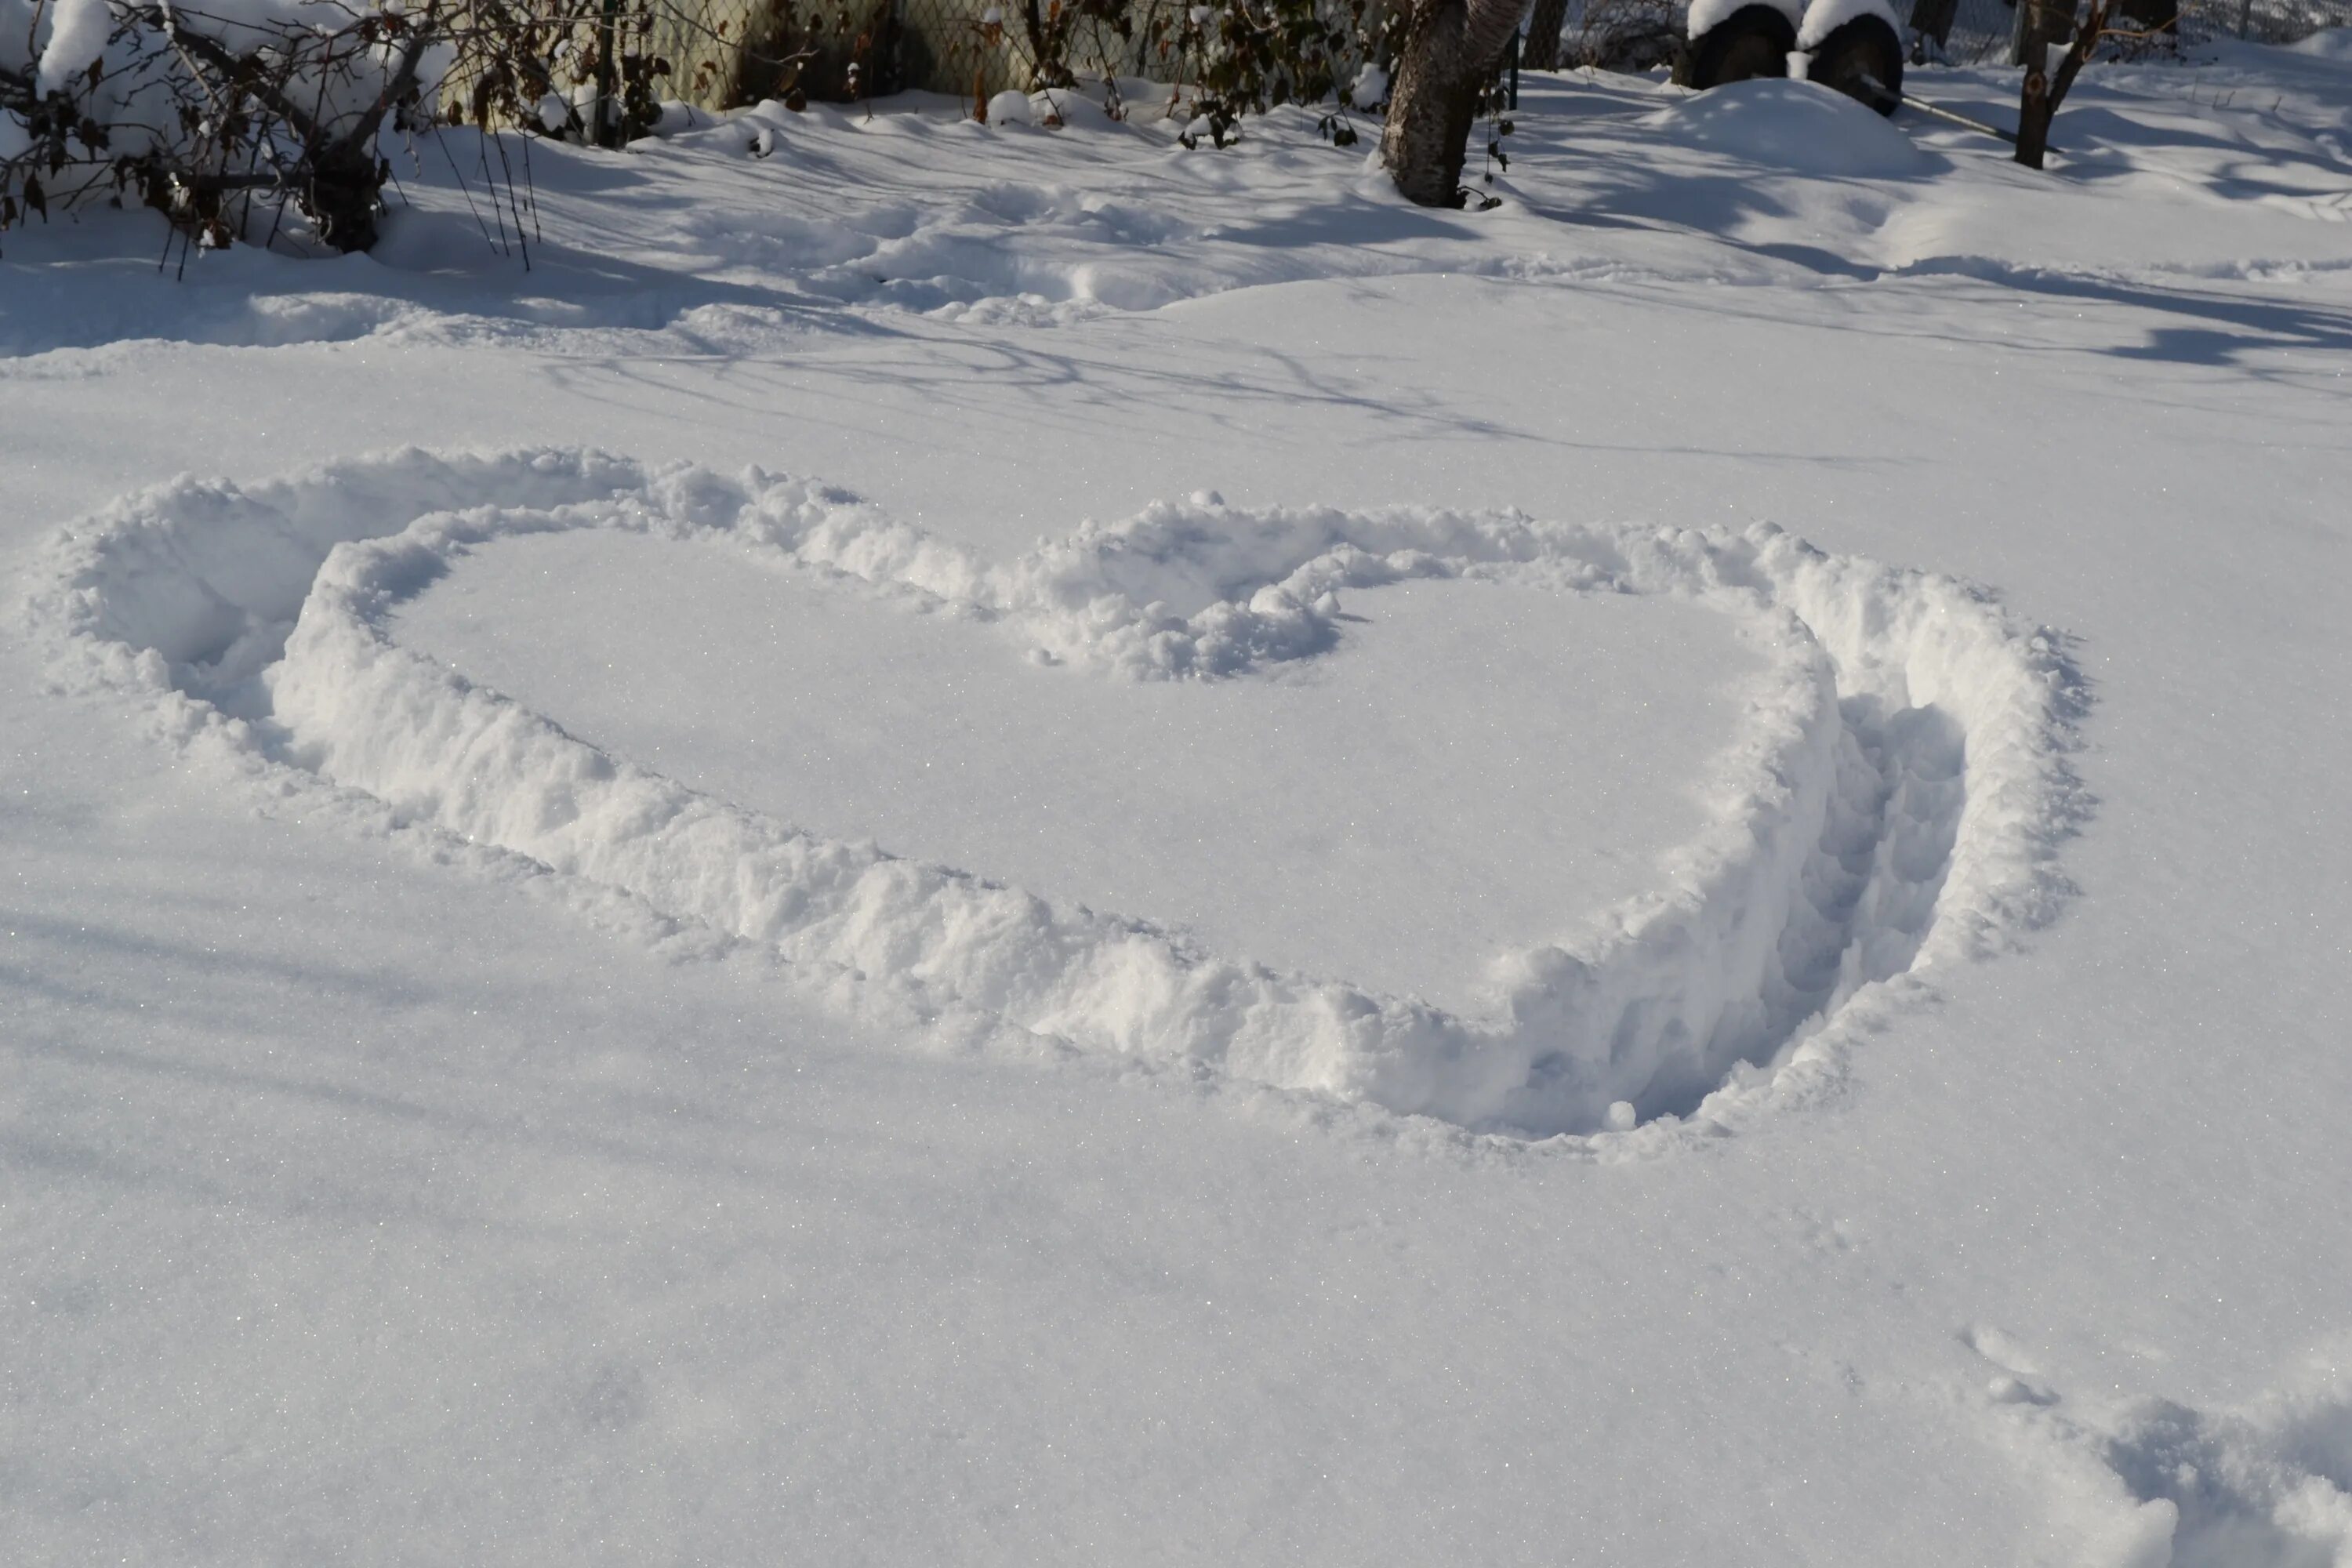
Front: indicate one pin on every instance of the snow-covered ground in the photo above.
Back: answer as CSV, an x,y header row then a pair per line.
x,y
994,844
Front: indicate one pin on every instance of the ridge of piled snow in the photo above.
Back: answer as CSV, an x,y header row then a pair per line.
x,y
2259,1486
1894,801
1796,125
2327,44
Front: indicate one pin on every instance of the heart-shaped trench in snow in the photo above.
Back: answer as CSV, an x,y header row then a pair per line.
x,y
1472,766
1893,799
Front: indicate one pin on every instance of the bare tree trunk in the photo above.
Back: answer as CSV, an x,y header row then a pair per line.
x,y
1544,27
2041,24
1450,48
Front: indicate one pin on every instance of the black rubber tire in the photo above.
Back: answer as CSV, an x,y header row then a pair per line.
x,y
1854,54
1753,41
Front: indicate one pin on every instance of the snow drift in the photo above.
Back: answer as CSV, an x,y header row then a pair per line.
x,y
1796,125
1894,802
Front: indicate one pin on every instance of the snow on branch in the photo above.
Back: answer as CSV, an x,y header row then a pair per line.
x,y
231,115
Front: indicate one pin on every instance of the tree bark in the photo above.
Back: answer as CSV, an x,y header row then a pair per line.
x,y
1544,27
2041,24
1450,48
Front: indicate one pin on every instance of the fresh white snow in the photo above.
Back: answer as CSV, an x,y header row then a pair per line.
x,y
1705,15
1793,125
1844,846
74,34
1770,986
1823,17
1496,746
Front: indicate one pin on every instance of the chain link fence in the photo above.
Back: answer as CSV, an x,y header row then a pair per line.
x,y
1982,30
723,53
729,52
1635,34
978,47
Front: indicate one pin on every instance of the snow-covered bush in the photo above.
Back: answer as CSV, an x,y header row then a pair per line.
x,y
209,115
1246,59
234,115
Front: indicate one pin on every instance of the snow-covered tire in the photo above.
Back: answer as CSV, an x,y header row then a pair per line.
x,y
1753,41
1862,58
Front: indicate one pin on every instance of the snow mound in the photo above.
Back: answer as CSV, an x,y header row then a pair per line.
x,y
1795,125
1898,791
2327,44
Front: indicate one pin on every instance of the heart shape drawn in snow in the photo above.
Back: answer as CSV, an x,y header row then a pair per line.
x,y
1902,783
